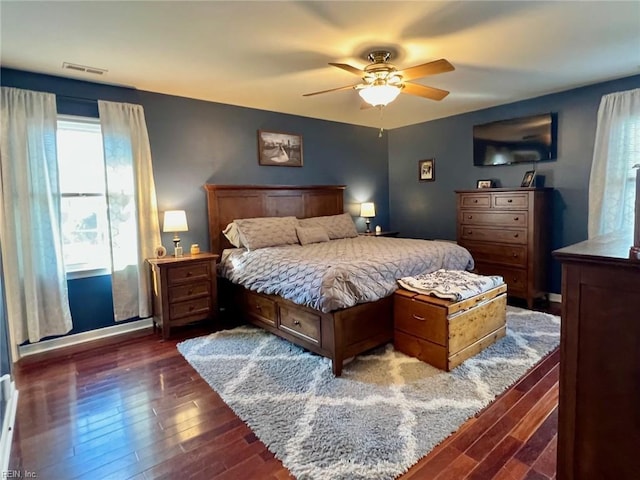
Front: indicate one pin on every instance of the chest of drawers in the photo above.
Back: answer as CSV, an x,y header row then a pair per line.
x,y
508,233
183,290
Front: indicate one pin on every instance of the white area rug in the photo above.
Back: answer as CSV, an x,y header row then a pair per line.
x,y
387,410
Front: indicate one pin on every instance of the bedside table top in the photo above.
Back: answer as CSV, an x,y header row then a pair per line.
x,y
187,257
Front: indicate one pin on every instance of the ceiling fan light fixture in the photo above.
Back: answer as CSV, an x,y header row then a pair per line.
x,y
380,95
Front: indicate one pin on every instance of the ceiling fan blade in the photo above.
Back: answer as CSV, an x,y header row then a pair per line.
x,y
331,90
431,93
349,68
431,68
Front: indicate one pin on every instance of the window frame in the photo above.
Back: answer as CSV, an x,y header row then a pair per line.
x,y
86,272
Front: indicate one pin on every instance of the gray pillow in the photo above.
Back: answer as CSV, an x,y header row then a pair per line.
x,y
337,226
308,235
267,231
233,235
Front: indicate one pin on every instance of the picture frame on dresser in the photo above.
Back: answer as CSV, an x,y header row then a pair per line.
x,y
527,180
484,184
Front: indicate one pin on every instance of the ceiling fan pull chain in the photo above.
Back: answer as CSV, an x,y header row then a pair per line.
x,y
381,128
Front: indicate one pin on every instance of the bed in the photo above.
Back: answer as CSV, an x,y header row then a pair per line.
x,y
356,319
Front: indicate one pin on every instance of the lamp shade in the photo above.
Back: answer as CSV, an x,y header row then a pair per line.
x,y
175,221
368,210
379,95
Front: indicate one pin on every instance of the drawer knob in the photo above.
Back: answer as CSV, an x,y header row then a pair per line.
x,y
296,322
258,307
515,235
470,217
189,274
418,317
509,201
475,201
469,232
516,218
515,255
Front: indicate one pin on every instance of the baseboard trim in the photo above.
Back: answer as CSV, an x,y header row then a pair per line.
x,y
555,297
10,394
60,342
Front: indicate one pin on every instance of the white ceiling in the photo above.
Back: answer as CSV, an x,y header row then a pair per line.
x,y
265,55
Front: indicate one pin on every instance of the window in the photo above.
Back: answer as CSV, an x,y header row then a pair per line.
x,y
83,200
630,143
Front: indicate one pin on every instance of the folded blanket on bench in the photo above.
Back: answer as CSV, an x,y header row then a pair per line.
x,y
451,284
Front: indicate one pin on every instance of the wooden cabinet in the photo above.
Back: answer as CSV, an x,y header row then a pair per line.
x,y
445,333
508,233
599,414
183,289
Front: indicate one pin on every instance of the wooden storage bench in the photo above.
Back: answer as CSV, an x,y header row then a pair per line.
x,y
445,333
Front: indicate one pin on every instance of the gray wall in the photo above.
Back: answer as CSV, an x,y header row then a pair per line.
x,y
428,209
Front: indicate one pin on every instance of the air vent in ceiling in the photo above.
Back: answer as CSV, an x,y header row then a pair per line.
x,y
83,68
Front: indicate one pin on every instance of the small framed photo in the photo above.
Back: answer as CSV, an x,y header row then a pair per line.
x,y
279,149
484,184
527,180
427,170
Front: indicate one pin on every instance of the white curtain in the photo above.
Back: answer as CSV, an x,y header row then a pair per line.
x,y
616,150
30,218
133,211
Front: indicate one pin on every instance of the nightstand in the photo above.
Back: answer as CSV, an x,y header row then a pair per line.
x,y
381,234
183,290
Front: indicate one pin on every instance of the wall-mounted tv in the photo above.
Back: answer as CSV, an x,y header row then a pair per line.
x,y
517,140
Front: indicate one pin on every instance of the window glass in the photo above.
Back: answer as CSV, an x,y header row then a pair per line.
x,y
82,188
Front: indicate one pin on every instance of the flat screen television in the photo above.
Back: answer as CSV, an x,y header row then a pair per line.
x,y
517,140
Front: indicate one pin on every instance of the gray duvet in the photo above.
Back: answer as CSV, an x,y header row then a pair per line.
x,y
340,273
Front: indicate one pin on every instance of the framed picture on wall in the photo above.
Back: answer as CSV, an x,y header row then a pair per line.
x,y
279,149
427,170
527,180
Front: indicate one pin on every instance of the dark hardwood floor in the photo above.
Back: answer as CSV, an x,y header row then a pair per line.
x,y
132,407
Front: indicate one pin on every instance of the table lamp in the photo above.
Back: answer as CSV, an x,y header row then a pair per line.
x,y
368,211
175,221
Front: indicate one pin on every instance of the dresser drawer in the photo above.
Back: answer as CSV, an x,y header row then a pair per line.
x,y
188,273
511,200
199,307
515,278
188,291
474,200
260,307
508,219
515,255
420,319
302,324
492,234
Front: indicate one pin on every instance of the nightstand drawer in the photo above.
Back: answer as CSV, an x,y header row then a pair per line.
x,y
198,307
305,325
420,319
188,273
188,292
511,235
507,219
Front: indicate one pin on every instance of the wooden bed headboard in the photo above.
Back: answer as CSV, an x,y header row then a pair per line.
x,y
228,202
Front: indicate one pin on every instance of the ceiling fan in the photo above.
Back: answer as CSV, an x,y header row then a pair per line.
x,y
383,82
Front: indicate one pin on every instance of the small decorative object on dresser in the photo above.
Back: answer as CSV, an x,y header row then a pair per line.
x,y
279,149
427,170
508,232
527,180
184,290
484,184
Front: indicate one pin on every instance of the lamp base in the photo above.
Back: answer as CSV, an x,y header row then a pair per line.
x,y
368,223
